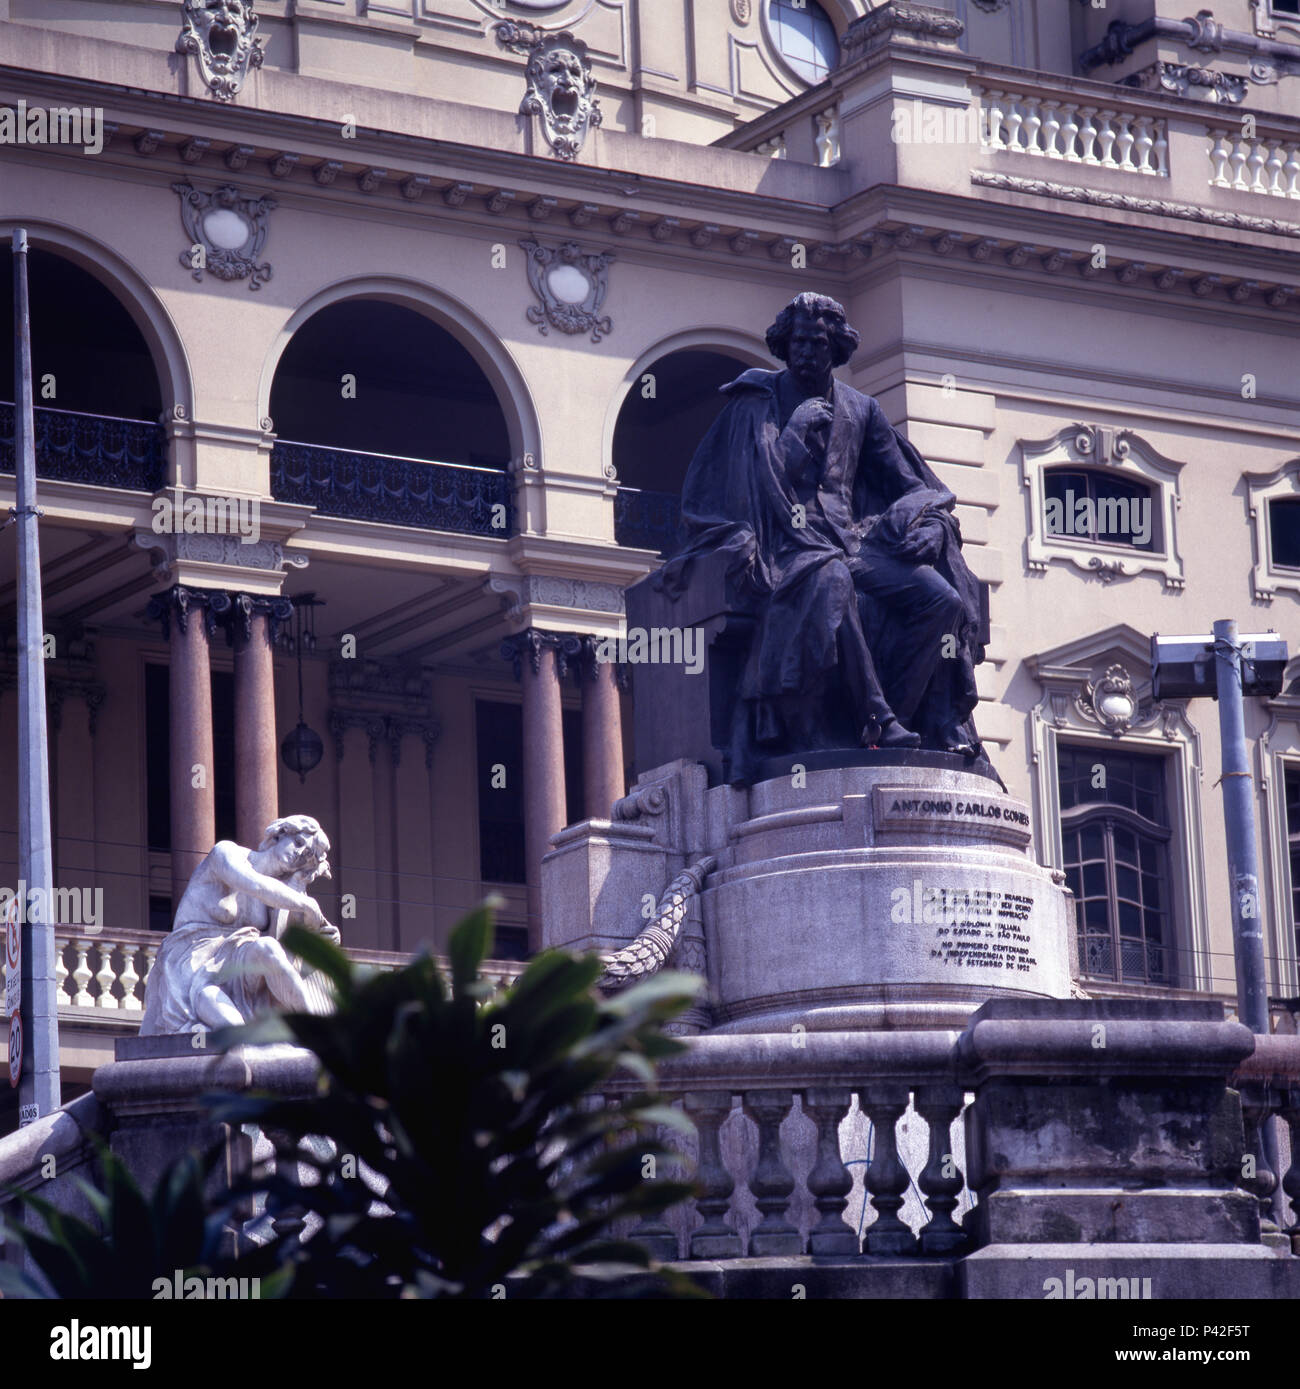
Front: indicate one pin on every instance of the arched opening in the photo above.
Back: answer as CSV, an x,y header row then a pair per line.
x,y
381,414
669,409
95,385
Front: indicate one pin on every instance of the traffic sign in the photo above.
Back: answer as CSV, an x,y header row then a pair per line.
x,y
15,1048
13,958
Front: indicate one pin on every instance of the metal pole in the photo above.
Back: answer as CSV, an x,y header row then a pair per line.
x,y
1239,821
38,1091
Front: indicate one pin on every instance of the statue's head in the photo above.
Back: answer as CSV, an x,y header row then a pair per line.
x,y
299,844
812,335
561,80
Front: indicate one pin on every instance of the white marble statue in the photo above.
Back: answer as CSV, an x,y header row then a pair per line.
x,y
223,962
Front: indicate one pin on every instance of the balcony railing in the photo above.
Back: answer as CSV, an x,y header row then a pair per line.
x,y
101,976
1075,133
647,520
399,491
99,449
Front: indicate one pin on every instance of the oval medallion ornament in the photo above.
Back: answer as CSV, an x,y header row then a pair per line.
x,y
742,11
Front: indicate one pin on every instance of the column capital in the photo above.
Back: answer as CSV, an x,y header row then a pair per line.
x,y
246,606
177,602
532,642
582,653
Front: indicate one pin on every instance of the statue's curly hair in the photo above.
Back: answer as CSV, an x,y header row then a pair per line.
x,y
301,824
844,339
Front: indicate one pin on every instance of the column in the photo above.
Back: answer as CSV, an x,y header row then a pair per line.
x,y
602,733
257,798
187,616
534,654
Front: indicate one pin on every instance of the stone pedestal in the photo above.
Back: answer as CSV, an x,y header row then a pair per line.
x,y
899,892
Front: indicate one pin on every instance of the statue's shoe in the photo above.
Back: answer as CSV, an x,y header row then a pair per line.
x,y
890,734
954,740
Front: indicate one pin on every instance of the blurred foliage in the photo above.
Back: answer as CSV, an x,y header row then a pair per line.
x,y
468,1151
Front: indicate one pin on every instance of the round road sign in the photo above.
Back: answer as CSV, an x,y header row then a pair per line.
x,y
15,1048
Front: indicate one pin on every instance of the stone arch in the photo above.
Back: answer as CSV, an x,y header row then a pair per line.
x,y
448,313
748,348
136,295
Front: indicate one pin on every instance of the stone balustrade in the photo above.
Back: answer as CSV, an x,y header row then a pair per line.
x,y
1057,128
1254,164
101,977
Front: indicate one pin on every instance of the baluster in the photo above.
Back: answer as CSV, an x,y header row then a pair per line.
x,y
1258,157
829,1181
1240,153
150,955
1051,129
1161,150
1015,118
1145,143
772,1182
1293,171
1071,128
1033,126
1087,134
1125,143
715,1239
941,1179
81,976
1290,1111
1106,138
995,114
1275,164
886,1177
130,979
1255,1110
105,975
652,1231
61,974
1220,150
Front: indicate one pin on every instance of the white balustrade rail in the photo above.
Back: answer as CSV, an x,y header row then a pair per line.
x,y
1053,128
104,974
1254,164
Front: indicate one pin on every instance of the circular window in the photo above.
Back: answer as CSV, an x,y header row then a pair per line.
x,y
804,36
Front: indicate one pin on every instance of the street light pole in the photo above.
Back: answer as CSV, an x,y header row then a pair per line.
x,y
1239,822
38,1091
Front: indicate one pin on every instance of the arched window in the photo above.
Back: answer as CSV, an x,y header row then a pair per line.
x,y
94,381
1115,832
1101,508
804,37
382,415
667,412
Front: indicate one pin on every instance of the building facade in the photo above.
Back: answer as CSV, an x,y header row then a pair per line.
x,y
371,342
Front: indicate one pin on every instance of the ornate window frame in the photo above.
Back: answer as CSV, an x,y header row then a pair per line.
x,y
1279,748
1261,489
1270,22
1121,451
1097,692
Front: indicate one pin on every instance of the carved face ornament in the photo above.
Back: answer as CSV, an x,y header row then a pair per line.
x,y
222,34
563,86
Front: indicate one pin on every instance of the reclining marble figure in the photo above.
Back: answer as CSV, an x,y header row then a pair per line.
x,y
223,962
842,543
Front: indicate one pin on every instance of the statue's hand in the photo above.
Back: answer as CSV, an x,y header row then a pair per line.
x,y
312,913
811,416
331,932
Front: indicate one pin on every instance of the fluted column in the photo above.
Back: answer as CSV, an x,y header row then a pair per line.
x,y
188,618
257,796
535,657
602,731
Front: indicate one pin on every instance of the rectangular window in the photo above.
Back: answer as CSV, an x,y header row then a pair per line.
x,y
500,779
1293,844
1115,833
